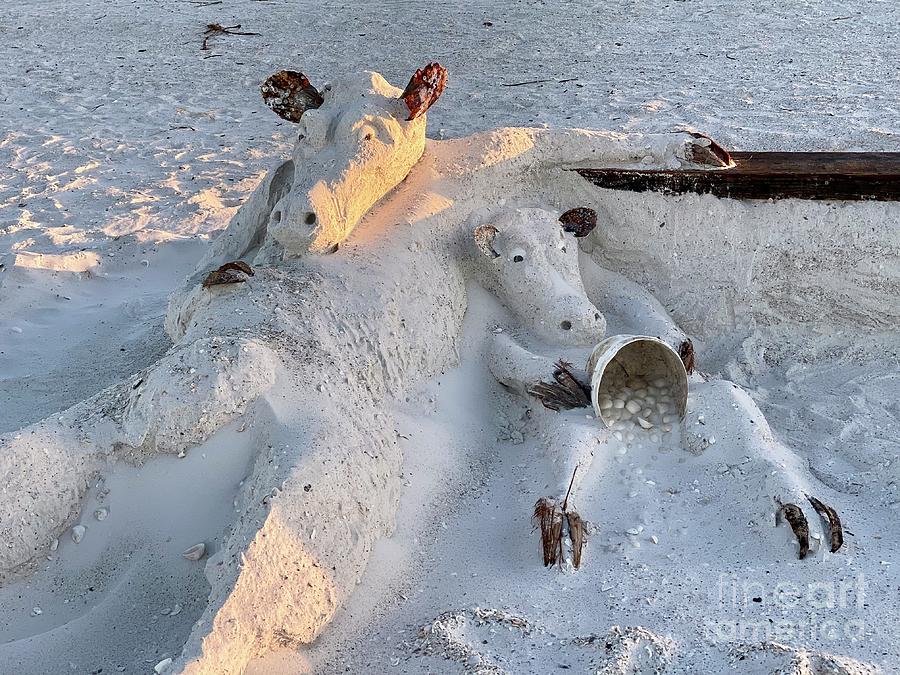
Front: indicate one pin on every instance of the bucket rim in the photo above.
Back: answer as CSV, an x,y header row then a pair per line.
x,y
607,349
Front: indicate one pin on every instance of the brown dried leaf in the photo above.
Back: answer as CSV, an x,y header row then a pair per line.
x,y
686,352
836,530
289,94
580,221
424,88
576,533
794,515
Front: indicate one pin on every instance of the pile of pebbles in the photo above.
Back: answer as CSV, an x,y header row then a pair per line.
x,y
638,406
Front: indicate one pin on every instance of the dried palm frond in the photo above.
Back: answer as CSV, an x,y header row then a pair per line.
x,y
565,393
549,518
836,530
794,515
576,534
564,376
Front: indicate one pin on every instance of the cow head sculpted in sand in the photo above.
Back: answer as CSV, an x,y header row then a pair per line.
x,y
354,125
525,258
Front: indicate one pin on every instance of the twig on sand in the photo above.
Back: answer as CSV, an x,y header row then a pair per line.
x,y
219,29
522,84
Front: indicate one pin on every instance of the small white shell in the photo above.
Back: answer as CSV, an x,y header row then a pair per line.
x,y
36,611
54,544
195,552
176,610
78,533
101,513
162,666
644,423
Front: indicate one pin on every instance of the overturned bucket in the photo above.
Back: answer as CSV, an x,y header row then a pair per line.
x,y
639,377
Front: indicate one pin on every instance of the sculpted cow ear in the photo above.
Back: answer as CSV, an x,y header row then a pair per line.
x,y
484,240
424,88
289,94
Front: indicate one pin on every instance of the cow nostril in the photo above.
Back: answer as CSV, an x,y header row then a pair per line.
x,y
566,325
310,218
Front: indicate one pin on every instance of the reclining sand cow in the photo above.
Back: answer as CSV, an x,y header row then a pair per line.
x,y
314,348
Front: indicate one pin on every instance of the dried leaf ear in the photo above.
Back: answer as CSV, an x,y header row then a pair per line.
x,y
686,352
484,240
579,221
704,150
289,94
424,88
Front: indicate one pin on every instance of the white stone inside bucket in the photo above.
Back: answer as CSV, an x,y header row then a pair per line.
x,y
637,380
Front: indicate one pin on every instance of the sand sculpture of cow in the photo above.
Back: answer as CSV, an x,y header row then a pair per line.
x,y
310,351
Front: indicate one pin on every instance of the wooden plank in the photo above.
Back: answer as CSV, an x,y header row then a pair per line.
x,y
770,175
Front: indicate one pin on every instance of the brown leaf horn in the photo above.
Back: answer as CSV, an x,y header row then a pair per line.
x,y
289,94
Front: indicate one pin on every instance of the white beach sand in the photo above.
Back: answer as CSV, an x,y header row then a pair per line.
x,y
404,466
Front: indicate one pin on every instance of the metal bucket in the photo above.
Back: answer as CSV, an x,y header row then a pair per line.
x,y
637,356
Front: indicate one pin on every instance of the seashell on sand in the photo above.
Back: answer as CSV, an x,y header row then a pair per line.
x,y
78,533
195,552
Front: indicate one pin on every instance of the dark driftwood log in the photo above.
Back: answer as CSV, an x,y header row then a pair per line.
x,y
770,175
